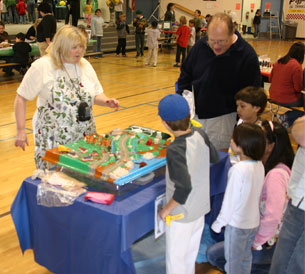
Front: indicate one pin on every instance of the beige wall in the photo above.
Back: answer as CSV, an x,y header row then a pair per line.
x,y
206,7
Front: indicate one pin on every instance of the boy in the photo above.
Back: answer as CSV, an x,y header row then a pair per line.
x,y
153,35
21,55
182,36
97,25
140,23
251,102
187,184
122,29
192,35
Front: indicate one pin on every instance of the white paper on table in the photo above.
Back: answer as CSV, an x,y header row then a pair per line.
x,y
160,202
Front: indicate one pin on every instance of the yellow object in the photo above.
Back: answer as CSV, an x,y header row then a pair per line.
x,y
117,1
170,218
62,148
62,3
195,123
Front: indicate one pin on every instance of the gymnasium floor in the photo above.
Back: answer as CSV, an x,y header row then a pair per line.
x,y
138,88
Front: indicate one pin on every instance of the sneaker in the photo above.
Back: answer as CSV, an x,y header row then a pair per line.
x,y
154,65
137,55
118,55
177,66
124,55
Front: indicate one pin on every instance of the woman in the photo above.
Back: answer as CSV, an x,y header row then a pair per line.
x,y
278,159
67,87
32,31
257,22
170,16
286,82
46,29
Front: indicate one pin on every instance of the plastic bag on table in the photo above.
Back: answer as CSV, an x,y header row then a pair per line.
x,y
58,189
189,96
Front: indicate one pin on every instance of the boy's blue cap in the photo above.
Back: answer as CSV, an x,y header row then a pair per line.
x,y
173,107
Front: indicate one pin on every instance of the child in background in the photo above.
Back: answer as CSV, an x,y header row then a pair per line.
x,y
97,25
188,160
153,34
251,103
88,13
192,35
21,55
21,9
240,208
183,34
122,29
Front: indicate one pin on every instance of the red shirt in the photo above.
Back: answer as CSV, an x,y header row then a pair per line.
x,y
21,7
286,82
183,35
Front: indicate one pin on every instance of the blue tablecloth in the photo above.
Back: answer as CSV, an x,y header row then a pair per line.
x,y
92,238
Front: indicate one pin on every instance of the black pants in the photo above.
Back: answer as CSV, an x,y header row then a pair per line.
x,y
75,17
121,46
140,43
179,51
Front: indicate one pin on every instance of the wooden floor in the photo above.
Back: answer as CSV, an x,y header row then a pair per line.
x,y
139,89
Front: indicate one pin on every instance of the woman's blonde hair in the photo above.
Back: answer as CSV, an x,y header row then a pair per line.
x,y
37,22
64,40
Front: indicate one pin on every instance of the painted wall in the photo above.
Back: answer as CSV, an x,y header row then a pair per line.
x,y
276,9
206,7
247,7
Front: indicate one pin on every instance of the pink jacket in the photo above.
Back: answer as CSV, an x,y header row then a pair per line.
x,y
274,198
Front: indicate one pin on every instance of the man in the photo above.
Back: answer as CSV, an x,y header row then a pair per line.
x,y
218,66
140,23
198,23
73,8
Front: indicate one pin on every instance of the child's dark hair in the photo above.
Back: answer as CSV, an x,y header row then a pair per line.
x,y
21,36
97,11
251,139
2,24
192,21
154,24
182,124
282,151
254,96
198,11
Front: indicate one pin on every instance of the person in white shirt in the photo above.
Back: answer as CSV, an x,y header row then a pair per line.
x,y
289,254
97,25
153,34
118,8
240,208
192,38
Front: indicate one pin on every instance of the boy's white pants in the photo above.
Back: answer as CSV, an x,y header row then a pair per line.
x,y
152,53
182,245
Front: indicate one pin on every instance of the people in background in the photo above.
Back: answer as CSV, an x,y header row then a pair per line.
x,y
257,22
188,160
118,8
218,66
21,55
140,23
66,88
153,35
88,13
4,37
73,8
277,160
122,30
192,38
97,26
46,29
289,253
32,31
21,9
198,23
287,82
31,10
12,11
170,16
182,37
240,208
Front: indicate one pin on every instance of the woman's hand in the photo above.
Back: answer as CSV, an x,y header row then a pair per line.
x,y
21,139
113,103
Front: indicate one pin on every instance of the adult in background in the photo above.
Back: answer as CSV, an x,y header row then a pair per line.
x,y
277,160
46,29
140,23
4,37
289,252
67,87
287,83
170,16
218,66
257,22
73,8
12,11
198,23
31,10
